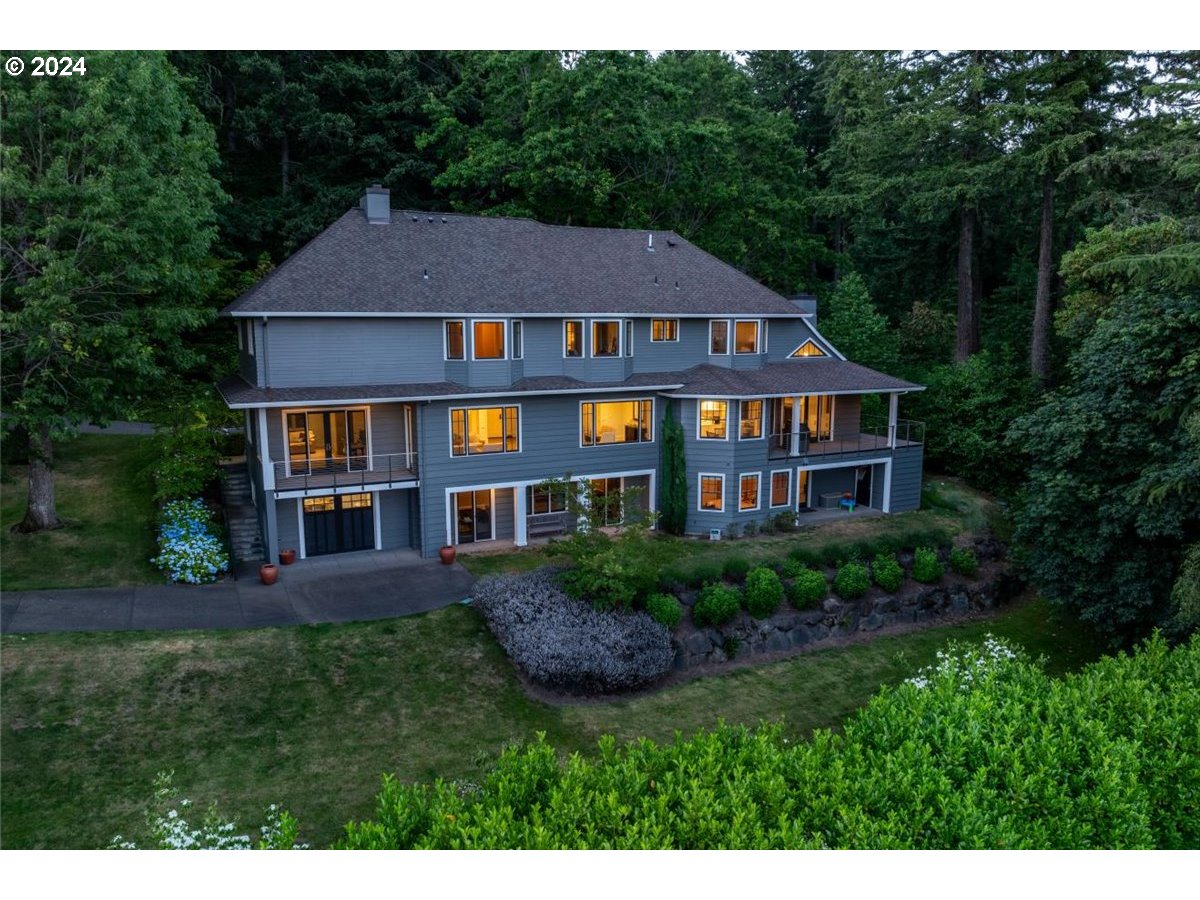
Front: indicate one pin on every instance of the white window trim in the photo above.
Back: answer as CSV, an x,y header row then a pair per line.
x,y
700,476
757,476
757,337
592,323
446,340
491,506
638,443
701,400
765,347
582,338
514,326
728,337
786,504
674,340
762,419
467,454
287,456
808,484
503,323
823,355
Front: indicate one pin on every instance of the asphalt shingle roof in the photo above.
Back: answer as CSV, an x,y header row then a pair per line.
x,y
808,376
482,265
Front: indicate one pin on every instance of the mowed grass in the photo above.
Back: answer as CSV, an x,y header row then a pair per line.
x,y
312,716
103,491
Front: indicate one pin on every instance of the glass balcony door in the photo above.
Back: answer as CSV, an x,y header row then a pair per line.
x,y
320,441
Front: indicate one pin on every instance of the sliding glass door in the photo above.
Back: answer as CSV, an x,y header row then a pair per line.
x,y
326,441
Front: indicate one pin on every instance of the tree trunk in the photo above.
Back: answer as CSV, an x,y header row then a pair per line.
x,y
967,334
40,514
1039,347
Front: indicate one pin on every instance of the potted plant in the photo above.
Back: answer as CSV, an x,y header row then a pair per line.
x,y
447,554
287,557
268,572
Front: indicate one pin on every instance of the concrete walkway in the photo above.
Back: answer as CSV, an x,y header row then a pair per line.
x,y
348,587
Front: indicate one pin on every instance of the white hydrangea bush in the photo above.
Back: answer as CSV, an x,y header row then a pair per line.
x,y
168,826
965,665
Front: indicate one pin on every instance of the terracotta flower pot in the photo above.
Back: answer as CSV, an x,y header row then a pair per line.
x,y
268,573
287,557
447,554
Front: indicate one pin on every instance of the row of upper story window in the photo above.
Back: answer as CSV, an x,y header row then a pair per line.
x,y
497,429
497,339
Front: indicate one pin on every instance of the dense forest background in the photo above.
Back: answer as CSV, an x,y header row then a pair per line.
x,y
1019,231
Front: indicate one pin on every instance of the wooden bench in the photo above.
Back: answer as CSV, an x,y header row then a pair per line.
x,y
542,524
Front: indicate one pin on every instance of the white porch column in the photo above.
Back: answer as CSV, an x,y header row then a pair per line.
x,y
795,450
449,517
652,499
263,449
893,409
887,485
520,524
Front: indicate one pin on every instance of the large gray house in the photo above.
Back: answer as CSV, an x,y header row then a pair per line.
x,y
411,379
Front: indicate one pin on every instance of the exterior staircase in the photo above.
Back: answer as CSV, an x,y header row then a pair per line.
x,y
240,517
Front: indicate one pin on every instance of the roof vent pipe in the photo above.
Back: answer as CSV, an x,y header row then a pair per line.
x,y
650,243
377,204
426,276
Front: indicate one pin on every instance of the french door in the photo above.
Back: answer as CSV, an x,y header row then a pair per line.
x,y
607,492
473,516
327,441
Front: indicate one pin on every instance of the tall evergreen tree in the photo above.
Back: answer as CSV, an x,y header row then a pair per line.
x,y
673,492
108,211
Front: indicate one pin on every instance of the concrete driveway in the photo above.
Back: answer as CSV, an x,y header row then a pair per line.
x,y
348,587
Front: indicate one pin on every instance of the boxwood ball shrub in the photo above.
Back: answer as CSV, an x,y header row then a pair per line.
x,y
1106,758
567,644
665,609
808,588
963,561
716,605
851,581
926,568
887,572
764,592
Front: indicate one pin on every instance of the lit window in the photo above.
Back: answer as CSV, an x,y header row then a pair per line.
x,y
748,493
493,429
318,504
629,337
745,337
618,422
781,488
713,419
712,492
752,418
455,346
818,416
808,348
606,338
356,501
489,340
802,487
518,349
718,336
664,329
572,338
546,499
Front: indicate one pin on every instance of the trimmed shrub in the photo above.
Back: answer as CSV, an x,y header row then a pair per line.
x,y
852,581
926,568
887,572
665,609
808,588
716,605
706,571
764,592
1107,758
565,643
963,561
735,567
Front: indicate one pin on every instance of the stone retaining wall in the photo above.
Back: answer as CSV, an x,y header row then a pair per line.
x,y
791,628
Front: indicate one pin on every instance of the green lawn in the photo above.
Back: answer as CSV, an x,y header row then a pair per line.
x,y
103,489
312,716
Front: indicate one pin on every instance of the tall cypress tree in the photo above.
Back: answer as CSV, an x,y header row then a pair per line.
x,y
673,496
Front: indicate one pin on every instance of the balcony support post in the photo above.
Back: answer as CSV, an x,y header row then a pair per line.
x,y
893,409
520,522
795,448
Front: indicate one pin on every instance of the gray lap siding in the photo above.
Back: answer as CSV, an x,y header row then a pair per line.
x,y
549,448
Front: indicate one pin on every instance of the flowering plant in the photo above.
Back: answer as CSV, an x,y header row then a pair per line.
x,y
967,664
187,549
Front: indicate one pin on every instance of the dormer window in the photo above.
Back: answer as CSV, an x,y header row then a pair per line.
x,y
718,336
455,340
573,338
606,337
807,349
